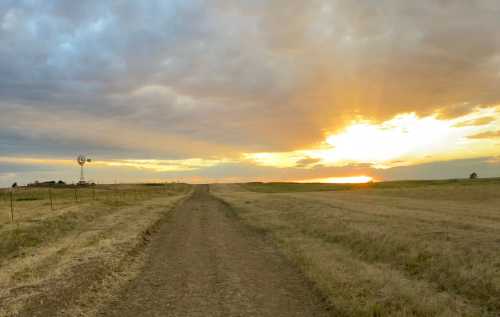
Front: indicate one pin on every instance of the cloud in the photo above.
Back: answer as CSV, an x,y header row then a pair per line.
x,y
69,127
193,164
211,80
164,165
486,135
476,122
239,62
241,172
307,162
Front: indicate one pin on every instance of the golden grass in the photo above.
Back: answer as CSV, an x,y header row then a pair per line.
x,y
45,249
429,250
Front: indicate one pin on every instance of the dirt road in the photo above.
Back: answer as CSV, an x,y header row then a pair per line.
x,y
204,262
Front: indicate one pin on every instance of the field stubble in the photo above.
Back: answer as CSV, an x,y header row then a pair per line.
x,y
429,250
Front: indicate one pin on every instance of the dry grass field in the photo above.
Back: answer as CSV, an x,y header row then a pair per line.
x,y
85,244
386,249
427,248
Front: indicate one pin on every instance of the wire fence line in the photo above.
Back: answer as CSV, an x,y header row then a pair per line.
x,y
61,197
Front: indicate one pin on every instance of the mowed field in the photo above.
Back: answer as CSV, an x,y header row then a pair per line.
x,y
428,248
85,245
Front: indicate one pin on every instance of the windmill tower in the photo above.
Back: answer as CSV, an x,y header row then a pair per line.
x,y
81,160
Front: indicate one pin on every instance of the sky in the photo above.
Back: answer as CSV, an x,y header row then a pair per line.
x,y
233,91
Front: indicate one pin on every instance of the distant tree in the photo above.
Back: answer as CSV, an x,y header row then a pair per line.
x,y
61,183
473,175
14,185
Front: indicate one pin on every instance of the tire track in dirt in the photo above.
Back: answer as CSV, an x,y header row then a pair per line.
x,y
203,262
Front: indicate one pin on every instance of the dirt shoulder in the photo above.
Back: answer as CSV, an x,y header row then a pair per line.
x,y
204,262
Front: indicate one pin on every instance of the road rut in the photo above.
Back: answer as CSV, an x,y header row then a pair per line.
x,y
204,262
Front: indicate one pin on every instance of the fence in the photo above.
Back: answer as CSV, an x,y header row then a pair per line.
x,y
56,197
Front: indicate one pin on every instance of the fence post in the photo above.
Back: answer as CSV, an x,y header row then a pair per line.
x,y
50,197
11,207
76,194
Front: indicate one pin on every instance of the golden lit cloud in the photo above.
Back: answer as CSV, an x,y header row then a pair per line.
x,y
165,165
406,139
284,159
35,161
486,135
152,165
476,122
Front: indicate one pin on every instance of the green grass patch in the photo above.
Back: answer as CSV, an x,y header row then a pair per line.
x,y
28,198
24,236
37,233
293,187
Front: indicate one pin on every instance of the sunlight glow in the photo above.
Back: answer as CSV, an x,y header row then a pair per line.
x,y
404,140
404,137
340,180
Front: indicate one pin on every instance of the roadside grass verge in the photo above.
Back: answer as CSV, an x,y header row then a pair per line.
x,y
37,232
72,258
36,222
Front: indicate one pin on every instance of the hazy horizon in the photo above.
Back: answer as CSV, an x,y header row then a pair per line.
x,y
237,91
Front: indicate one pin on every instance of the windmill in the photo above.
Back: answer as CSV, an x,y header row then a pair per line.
x,y
81,160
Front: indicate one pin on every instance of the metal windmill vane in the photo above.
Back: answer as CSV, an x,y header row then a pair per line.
x,y
82,159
